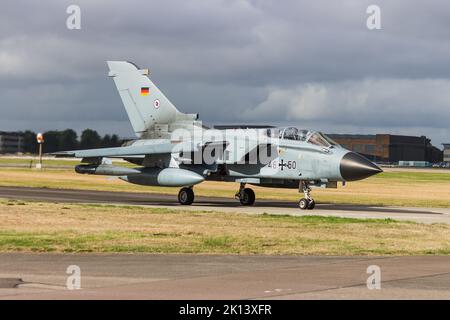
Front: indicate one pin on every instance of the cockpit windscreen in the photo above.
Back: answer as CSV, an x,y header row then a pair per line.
x,y
313,137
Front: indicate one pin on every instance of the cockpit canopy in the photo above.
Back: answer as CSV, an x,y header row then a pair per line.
x,y
313,137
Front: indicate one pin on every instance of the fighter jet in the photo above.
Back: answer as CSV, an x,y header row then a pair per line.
x,y
175,149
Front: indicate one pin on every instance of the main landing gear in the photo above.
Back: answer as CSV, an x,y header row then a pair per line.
x,y
186,196
306,203
246,196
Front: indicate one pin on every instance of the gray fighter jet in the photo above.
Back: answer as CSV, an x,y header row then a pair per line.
x,y
175,149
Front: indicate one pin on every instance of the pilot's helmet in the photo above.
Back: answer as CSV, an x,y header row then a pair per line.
x,y
302,135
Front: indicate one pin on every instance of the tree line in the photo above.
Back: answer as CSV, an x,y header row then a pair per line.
x,y
60,140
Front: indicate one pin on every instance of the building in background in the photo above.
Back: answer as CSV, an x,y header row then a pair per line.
x,y
11,142
387,148
446,152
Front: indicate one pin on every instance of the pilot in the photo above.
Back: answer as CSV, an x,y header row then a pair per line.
x,y
302,135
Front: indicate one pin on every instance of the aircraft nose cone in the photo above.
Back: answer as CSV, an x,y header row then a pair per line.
x,y
356,167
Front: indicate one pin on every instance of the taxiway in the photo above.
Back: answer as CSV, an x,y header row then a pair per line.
x,y
422,215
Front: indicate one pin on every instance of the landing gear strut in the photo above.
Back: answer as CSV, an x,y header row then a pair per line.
x,y
186,196
307,202
246,196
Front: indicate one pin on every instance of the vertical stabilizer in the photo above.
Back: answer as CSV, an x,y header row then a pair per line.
x,y
144,103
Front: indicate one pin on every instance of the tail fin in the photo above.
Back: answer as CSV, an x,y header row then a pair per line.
x,y
144,103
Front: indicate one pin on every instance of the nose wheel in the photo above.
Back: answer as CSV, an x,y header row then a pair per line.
x,y
186,196
246,196
306,203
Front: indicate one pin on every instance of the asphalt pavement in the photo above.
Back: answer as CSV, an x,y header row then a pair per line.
x,y
423,215
144,276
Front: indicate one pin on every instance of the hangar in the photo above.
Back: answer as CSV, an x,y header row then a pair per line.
x,y
11,142
446,152
387,148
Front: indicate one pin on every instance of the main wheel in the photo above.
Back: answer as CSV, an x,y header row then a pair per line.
x,y
303,203
186,196
247,197
311,204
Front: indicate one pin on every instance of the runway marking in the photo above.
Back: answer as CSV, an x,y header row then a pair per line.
x,y
277,290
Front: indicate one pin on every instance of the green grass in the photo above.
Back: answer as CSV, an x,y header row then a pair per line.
x,y
34,161
406,177
49,227
317,220
53,163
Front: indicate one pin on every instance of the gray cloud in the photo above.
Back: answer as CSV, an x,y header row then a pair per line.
x,y
303,62
369,102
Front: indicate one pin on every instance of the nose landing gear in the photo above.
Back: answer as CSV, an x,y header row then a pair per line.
x,y
246,196
306,203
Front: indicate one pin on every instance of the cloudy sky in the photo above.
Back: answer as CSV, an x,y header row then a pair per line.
x,y
313,64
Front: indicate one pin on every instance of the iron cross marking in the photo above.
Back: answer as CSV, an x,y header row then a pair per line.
x,y
282,164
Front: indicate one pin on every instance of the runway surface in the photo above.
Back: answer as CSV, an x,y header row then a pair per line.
x,y
423,215
131,276
145,276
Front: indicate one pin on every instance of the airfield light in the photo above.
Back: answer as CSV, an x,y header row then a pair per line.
x,y
40,141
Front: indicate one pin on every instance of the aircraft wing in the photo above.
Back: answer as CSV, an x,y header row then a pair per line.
x,y
138,150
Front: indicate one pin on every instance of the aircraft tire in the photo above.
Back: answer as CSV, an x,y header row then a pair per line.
x,y
186,196
303,204
311,204
247,197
